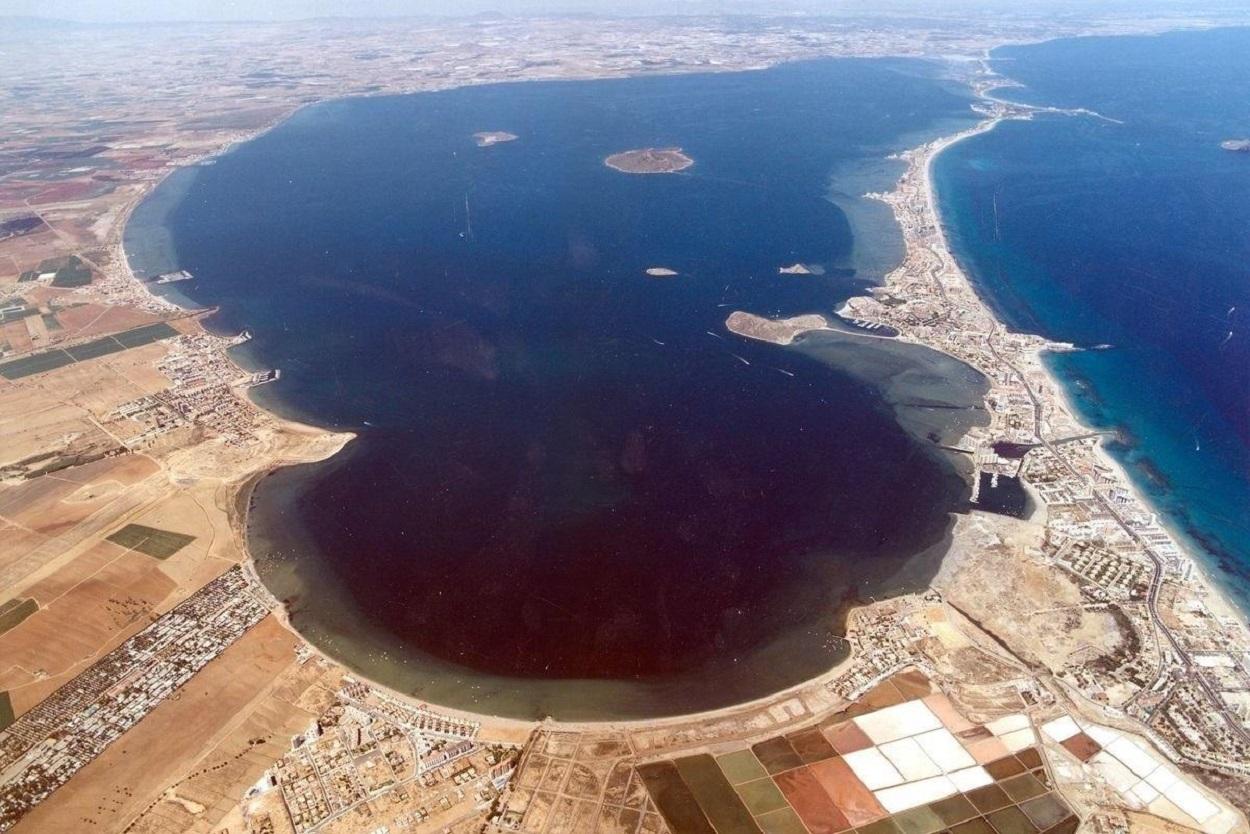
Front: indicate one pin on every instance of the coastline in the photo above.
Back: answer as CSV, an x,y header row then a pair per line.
x,y
1034,621
649,161
197,314
244,487
927,153
350,648
1218,596
1057,387
244,480
1176,564
1217,593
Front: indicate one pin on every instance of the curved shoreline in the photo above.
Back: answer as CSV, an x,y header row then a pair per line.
x,y
242,500
246,488
817,688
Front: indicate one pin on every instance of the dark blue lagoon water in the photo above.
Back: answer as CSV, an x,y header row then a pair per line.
x,y
573,491
1131,233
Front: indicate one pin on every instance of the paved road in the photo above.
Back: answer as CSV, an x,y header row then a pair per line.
x,y
1156,581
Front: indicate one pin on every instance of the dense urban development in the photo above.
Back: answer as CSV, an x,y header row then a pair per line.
x,y
1185,679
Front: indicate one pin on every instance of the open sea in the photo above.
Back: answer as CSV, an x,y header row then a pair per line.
x,y
573,491
1130,233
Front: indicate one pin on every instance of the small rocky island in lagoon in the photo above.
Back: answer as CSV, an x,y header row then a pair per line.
x,y
649,161
486,138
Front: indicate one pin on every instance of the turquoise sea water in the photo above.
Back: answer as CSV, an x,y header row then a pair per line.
x,y
1130,232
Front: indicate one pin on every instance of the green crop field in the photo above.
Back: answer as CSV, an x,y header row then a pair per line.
x,y
52,359
159,544
14,611
6,711
74,274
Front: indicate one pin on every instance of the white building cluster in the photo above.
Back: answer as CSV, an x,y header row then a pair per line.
x,y
47,745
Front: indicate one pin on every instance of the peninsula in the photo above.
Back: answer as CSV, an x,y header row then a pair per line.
x,y
777,331
649,161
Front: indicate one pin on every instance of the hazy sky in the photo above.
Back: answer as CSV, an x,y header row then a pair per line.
x,y
148,10
112,11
